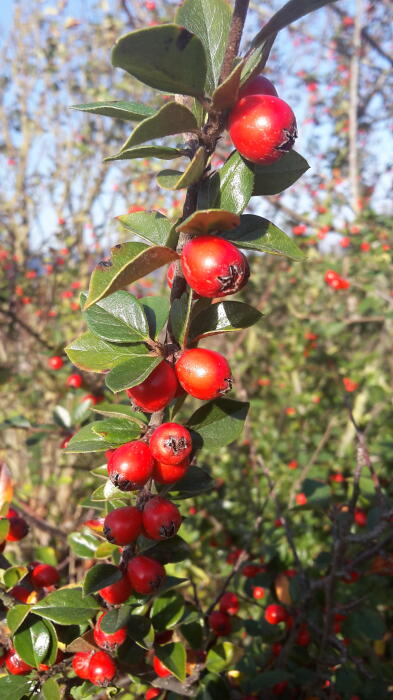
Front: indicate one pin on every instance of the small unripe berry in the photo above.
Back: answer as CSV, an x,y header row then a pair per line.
x,y
44,575
229,603
117,592
275,613
109,641
161,518
170,443
204,374
220,623
15,665
145,574
214,267
102,669
161,670
123,525
260,85
130,465
157,390
169,473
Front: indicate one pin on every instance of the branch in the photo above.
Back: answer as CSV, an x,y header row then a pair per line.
x,y
235,35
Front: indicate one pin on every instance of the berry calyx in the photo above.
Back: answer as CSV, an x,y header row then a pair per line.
x,y
102,669
229,603
161,518
220,623
262,128
275,613
157,390
170,443
130,465
214,267
145,575
204,374
44,575
260,85
161,670
56,362
169,473
15,664
117,592
109,641
123,525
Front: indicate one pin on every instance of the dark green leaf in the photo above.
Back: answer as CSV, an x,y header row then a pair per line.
x,y
254,63
220,657
131,372
366,623
172,118
209,221
67,606
117,431
15,687
86,440
175,180
120,409
128,263
231,186
173,550
173,656
274,178
130,111
165,57
149,225
157,312
34,639
218,422
140,630
50,690
213,687
195,481
210,21
223,317
160,152
100,576
171,582
83,544
92,354
256,233
16,616
290,12
115,619
167,610
226,94
118,318
180,316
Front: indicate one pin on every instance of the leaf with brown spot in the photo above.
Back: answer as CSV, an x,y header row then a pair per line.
x,y
208,221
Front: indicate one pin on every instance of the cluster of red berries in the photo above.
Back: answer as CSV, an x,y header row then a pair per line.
x,y
335,281
18,528
39,576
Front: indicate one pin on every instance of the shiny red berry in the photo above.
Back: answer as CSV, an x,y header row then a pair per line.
x,y
170,443
161,518
123,525
262,128
152,693
275,613
130,466
75,381
44,575
360,517
204,374
15,665
117,592
80,663
161,670
18,529
229,603
169,473
102,669
21,593
214,267
145,575
157,390
109,641
220,623
260,85
56,362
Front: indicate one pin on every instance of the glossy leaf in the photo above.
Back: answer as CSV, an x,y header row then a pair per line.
x,y
16,687
180,316
209,221
93,354
62,417
166,57
220,657
67,606
195,482
115,619
218,422
35,640
173,656
117,431
13,575
128,263
139,628
175,180
256,233
118,109
167,610
118,318
231,186
86,440
210,21
274,178
100,576
107,491
123,410
152,226
290,12
131,372
157,312
16,616
172,118
226,94
223,317
174,550
160,152
83,543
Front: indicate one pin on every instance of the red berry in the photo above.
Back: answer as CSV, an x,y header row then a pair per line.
x,y
303,637
102,669
251,570
161,518
169,473
360,517
260,85
117,592
170,443
159,668
203,373
44,575
171,273
276,648
152,693
123,525
157,390
275,613
262,128
145,575
18,529
55,362
229,603
58,659
108,640
21,593
75,381
130,466
15,665
220,623
258,592
214,267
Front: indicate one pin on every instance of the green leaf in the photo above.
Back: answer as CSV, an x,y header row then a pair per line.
x,y
180,316
16,616
157,312
140,630
223,317
173,550
117,431
128,263
93,354
226,94
108,492
220,657
83,544
173,656
118,109
195,482
100,576
152,226
290,12
131,372
62,417
254,63
231,186
105,550
218,422
210,21
35,641
4,528
67,606
115,619
366,623
13,575
256,233
176,180
120,409
166,57
160,152
213,687
86,440
167,610
50,690
172,118
15,687
274,178
171,582
209,221
118,318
